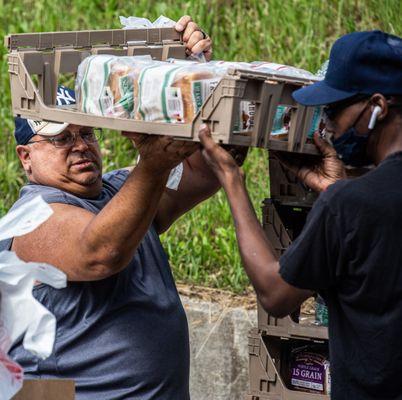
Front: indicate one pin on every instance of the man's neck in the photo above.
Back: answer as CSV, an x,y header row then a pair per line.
x,y
88,192
389,142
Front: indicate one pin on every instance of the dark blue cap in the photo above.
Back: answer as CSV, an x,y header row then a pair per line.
x,y
25,129
359,63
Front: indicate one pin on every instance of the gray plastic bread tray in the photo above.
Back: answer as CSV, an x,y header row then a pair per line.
x,y
36,60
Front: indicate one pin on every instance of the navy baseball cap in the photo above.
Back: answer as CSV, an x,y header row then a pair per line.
x,y
25,129
359,63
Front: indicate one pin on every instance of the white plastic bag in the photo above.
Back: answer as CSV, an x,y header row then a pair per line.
x,y
11,374
175,177
24,219
163,22
20,313
140,23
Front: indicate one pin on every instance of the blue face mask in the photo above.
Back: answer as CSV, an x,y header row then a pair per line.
x,y
352,148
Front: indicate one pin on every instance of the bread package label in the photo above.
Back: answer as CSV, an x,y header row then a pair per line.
x,y
126,100
157,100
310,371
245,118
200,90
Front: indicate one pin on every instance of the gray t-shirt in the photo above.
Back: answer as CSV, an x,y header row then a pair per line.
x,y
123,337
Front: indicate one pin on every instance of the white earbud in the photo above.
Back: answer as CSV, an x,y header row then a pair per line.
x,y
377,110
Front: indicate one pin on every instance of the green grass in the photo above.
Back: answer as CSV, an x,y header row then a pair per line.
x,y
201,246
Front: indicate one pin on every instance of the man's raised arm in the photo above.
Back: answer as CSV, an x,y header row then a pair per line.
x,y
90,247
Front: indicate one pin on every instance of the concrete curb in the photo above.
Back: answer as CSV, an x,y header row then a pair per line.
x,y
219,352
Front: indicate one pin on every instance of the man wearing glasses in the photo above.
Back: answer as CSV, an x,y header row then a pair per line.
x,y
350,250
121,329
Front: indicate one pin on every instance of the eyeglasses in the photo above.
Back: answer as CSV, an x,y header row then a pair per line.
x,y
333,110
68,139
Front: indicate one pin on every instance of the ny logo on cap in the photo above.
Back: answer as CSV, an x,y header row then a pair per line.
x,y
65,96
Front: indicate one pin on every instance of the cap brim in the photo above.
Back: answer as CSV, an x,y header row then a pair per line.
x,y
320,94
51,129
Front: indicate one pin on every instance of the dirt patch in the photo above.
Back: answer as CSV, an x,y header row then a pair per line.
x,y
222,297
227,298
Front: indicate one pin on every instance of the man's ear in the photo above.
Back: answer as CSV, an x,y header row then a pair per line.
x,y
24,154
379,100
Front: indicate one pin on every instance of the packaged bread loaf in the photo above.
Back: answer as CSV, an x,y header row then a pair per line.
x,y
121,89
174,92
144,89
106,84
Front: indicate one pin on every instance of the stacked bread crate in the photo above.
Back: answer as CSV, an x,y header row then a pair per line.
x,y
39,62
288,357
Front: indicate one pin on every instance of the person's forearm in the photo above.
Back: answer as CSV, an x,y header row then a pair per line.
x,y
199,181
259,258
113,236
